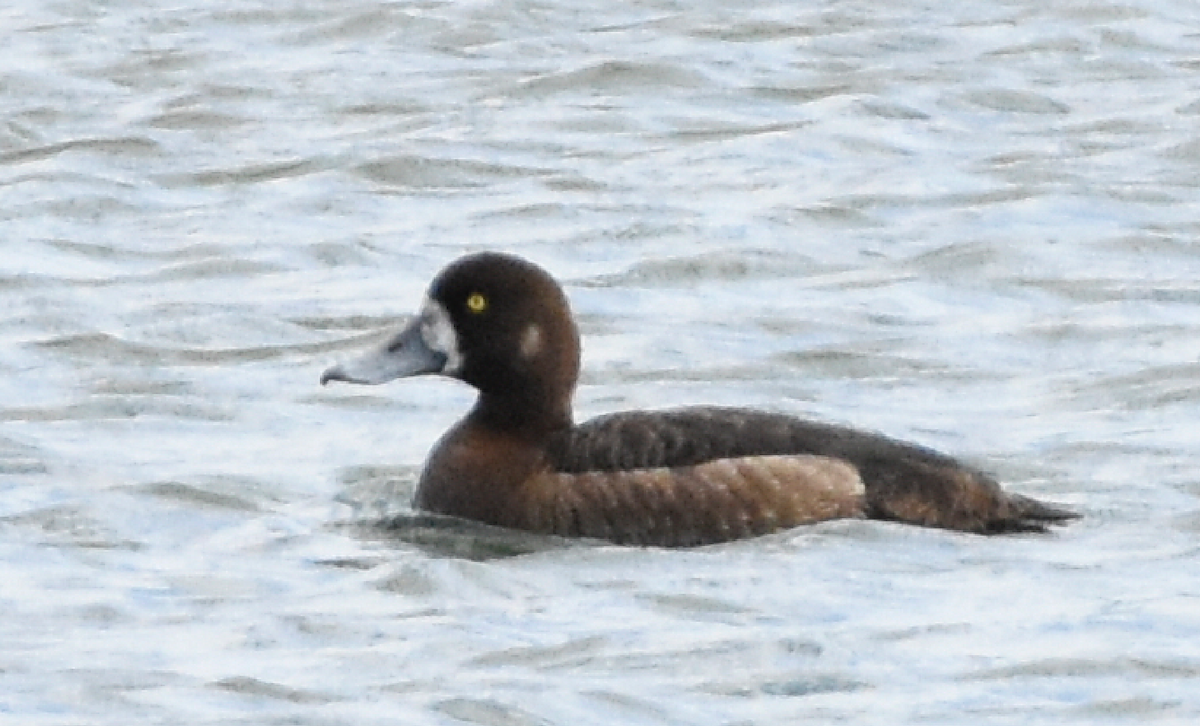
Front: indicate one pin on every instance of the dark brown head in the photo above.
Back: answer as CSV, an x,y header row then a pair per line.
x,y
497,322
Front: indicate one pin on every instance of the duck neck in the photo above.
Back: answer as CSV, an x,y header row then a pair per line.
x,y
527,413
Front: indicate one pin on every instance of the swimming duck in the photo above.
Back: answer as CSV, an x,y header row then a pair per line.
x,y
673,478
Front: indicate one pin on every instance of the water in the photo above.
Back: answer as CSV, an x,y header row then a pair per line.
x,y
966,224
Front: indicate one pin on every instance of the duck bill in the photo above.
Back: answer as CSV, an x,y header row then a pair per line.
x,y
405,354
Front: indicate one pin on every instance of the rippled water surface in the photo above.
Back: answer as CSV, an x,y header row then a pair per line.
x,y
968,224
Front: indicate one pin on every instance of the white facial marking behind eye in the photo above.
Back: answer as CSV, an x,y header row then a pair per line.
x,y
531,341
438,333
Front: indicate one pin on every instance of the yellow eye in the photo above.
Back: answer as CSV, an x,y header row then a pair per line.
x,y
476,302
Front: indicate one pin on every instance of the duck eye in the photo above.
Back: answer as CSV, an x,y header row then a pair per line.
x,y
476,302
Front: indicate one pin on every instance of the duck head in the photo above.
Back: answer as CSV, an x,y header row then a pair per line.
x,y
496,322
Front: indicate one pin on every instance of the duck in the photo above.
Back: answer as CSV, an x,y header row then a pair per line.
x,y
680,477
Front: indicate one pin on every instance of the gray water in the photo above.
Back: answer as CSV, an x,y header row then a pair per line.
x,y
968,224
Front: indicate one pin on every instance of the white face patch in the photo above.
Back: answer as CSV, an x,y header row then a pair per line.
x,y
438,333
531,341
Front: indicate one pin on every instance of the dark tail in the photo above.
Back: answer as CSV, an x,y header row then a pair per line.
x,y
1026,514
942,493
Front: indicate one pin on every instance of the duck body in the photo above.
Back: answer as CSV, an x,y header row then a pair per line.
x,y
676,477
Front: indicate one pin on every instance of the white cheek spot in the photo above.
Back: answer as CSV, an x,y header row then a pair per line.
x,y
531,341
437,331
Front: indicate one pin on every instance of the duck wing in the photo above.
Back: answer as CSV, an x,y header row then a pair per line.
x,y
903,482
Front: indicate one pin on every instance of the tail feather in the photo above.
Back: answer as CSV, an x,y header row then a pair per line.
x,y
948,495
1027,514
